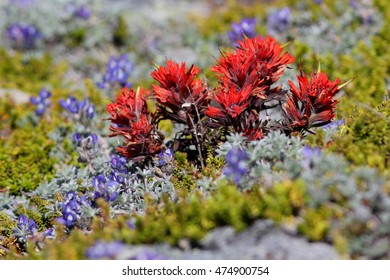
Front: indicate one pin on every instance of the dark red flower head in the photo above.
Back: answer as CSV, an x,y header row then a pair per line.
x,y
229,105
131,119
178,87
313,104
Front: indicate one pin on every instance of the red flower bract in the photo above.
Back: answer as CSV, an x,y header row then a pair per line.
x,y
245,79
230,103
257,61
178,88
313,104
131,119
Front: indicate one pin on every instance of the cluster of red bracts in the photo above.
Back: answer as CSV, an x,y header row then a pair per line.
x,y
246,88
131,119
313,104
246,77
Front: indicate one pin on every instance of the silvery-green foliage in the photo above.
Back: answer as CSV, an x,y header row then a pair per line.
x,y
55,19
322,172
232,140
206,184
369,211
338,33
270,159
331,181
136,185
6,200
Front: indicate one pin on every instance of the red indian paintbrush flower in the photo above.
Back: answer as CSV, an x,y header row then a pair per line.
x,y
230,104
257,61
313,104
131,119
178,89
246,76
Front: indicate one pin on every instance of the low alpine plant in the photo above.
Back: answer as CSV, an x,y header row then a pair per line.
x,y
246,100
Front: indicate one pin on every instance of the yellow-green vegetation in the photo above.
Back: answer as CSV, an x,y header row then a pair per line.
x,y
184,177
316,223
223,16
366,138
24,160
6,225
29,74
25,146
189,218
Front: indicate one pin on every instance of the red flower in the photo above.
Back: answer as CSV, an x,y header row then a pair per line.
x,y
179,89
257,61
130,118
313,104
230,104
246,76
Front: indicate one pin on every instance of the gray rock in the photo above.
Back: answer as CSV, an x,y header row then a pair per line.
x,y
17,95
263,240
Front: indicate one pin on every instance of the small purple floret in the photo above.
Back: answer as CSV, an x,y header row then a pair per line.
x,y
245,28
236,167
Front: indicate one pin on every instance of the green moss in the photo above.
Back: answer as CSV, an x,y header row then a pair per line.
x,y
183,176
213,166
316,223
76,37
29,74
285,200
24,160
121,32
6,225
366,138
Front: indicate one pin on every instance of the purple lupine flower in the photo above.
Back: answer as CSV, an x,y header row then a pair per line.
x,y
334,124
116,176
49,233
70,104
118,70
25,228
165,157
90,138
80,108
236,167
104,188
119,169
29,224
23,36
309,154
149,255
104,250
82,12
22,3
77,138
118,163
318,2
41,101
131,223
245,28
353,3
278,21
71,209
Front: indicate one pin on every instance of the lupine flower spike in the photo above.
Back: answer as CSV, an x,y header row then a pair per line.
x,y
244,29
41,101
